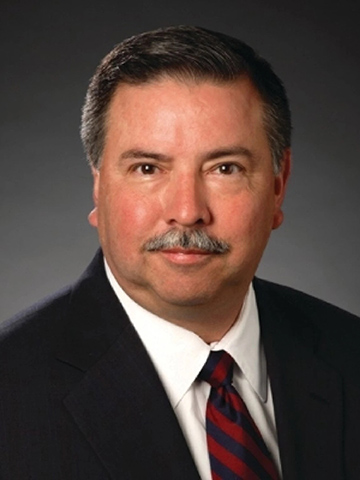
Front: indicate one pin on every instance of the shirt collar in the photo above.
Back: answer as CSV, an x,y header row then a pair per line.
x,y
179,354
243,343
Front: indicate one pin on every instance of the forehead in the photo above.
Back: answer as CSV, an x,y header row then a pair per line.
x,y
169,109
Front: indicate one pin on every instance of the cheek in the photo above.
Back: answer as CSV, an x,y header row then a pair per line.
x,y
130,215
247,220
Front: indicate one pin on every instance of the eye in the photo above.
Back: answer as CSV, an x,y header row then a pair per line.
x,y
228,168
146,169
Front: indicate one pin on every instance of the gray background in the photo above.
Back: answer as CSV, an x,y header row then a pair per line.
x,y
49,50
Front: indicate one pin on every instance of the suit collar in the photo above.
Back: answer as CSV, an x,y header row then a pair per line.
x,y
307,391
119,404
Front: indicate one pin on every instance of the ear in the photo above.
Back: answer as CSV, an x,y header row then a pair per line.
x,y
280,184
93,215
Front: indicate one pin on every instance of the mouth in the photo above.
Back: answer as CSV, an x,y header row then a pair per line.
x,y
185,256
186,251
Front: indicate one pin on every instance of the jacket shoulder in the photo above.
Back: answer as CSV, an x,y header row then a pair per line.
x,y
288,297
35,329
337,331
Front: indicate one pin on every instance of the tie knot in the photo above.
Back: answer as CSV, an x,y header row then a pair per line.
x,y
218,369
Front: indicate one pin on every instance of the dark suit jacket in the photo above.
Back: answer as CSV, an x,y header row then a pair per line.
x,y
80,399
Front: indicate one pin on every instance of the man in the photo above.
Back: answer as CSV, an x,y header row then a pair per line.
x,y
187,132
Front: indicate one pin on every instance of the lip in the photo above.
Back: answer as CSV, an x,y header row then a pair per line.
x,y
182,256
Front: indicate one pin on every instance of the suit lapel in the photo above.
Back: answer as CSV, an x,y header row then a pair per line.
x,y
120,404
307,392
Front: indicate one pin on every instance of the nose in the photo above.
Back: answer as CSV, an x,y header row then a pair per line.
x,y
186,202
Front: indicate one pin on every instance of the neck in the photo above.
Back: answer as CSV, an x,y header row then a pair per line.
x,y
210,320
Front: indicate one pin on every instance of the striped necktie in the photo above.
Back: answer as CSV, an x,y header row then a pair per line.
x,y
236,448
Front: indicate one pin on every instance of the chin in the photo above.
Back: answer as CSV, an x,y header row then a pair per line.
x,y
186,299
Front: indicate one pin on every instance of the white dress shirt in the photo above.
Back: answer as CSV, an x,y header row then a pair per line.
x,y
178,356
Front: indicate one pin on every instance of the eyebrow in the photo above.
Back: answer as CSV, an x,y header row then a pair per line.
x,y
135,153
229,152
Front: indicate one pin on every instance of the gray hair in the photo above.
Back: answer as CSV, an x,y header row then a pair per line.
x,y
188,240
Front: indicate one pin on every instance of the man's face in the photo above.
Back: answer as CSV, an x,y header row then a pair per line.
x,y
184,157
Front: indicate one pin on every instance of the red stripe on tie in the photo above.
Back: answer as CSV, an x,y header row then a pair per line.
x,y
221,370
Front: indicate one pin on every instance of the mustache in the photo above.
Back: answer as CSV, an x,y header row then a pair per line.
x,y
192,239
